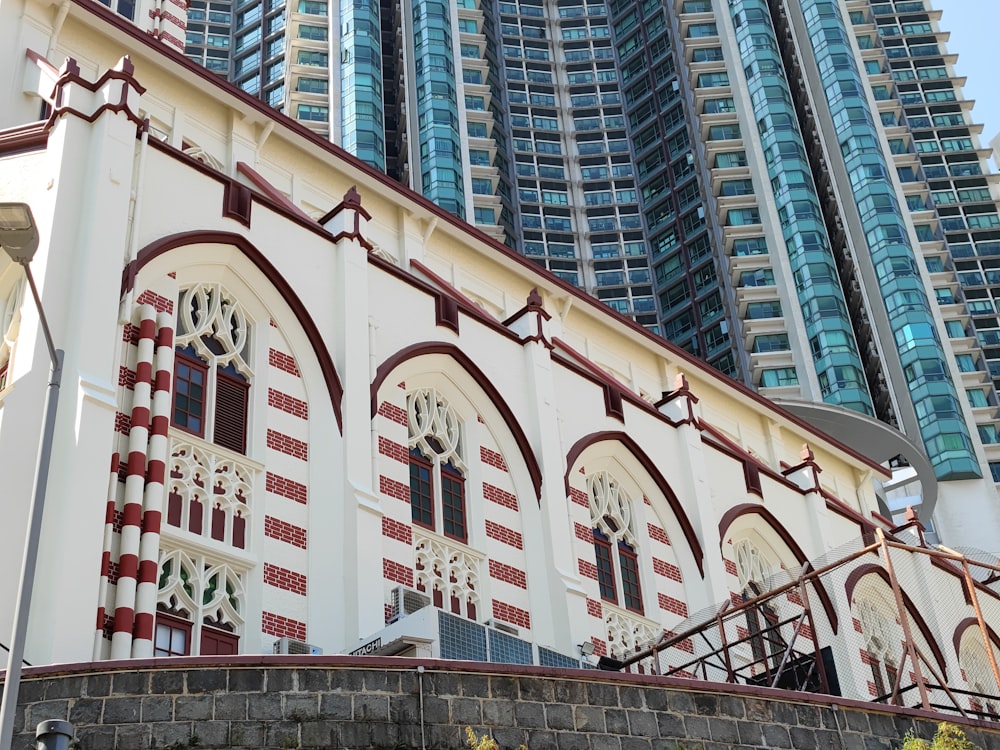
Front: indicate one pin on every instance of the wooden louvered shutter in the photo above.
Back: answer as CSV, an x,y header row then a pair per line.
x,y
231,412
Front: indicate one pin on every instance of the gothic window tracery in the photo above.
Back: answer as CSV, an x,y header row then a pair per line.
x,y
978,673
763,632
437,464
615,547
211,368
449,575
208,495
882,652
199,606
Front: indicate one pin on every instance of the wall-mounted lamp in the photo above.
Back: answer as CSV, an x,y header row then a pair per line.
x,y
18,235
587,648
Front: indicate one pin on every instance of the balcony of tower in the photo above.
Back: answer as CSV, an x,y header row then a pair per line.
x,y
753,327
693,16
760,361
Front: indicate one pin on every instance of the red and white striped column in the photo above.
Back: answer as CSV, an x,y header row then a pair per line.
x,y
109,531
135,481
152,506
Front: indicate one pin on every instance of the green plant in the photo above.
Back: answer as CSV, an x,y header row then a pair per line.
x,y
483,742
947,737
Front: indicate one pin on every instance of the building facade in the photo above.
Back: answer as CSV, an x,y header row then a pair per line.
x,y
307,409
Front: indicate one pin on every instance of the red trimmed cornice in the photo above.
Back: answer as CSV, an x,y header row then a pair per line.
x,y
255,256
31,137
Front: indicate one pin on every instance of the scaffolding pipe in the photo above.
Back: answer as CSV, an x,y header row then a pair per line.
x,y
904,620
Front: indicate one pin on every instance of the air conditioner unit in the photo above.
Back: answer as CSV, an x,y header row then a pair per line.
x,y
405,601
502,627
292,646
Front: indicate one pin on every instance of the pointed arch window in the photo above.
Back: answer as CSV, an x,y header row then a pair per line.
x,y
882,657
211,367
763,630
978,673
615,547
199,605
437,465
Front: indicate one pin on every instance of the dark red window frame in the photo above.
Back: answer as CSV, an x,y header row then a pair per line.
x,y
172,626
421,490
631,588
877,677
605,568
215,642
453,503
766,642
231,400
185,405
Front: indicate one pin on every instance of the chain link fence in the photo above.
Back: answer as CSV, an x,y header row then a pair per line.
x,y
883,618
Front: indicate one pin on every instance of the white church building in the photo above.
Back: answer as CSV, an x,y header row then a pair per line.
x,y
303,408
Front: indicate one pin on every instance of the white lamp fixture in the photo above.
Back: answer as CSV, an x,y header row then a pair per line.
x,y
18,234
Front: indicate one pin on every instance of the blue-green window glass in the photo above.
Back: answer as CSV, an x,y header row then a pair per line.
x,y
313,85
977,397
312,57
361,105
768,309
801,220
317,33
774,342
908,311
313,112
778,377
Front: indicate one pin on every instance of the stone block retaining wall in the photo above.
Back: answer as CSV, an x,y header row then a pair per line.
x,y
348,702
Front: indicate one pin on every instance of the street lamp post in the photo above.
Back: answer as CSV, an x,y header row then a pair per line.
x,y
19,239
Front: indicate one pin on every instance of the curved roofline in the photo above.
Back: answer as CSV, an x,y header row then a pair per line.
x,y
754,509
870,437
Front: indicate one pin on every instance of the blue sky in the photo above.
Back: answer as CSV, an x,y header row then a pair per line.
x,y
974,27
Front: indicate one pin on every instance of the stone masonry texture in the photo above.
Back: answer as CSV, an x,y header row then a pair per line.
x,y
385,704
